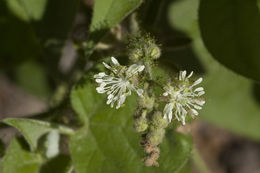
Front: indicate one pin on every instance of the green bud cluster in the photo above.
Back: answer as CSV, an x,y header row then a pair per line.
x,y
143,48
148,120
153,137
153,51
141,123
179,96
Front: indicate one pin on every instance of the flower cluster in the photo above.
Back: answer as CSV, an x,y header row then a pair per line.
x,y
183,98
119,83
180,97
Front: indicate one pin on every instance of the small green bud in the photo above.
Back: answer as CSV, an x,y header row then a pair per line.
x,y
158,121
155,137
147,102
153,51
136,54
140,124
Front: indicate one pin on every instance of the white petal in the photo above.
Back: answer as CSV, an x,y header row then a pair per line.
x,y
99,80
139,92
170,116
122,99
200,102
96,76
197,107
168,110
110,96
100,75
197,81
100,90
106,65
133,69
112,105
141,68
199,89
183,75
183,120
103,84
165,94
114,61
194,112
201,93
191,73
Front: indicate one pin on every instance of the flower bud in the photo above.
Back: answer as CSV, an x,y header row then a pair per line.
x,y
158,121
155,137
153,51
140,124
147,102
136,54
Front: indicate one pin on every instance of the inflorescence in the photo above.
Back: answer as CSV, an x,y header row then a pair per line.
x,y
181,96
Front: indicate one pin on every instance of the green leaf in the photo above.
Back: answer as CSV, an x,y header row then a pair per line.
x,y
231,32
86,101
18,40
57,21
27,9
107,13
32,130
229,100
19,160
33,79
108,143
58,164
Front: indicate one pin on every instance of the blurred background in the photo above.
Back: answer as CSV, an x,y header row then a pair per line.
x,y
37,53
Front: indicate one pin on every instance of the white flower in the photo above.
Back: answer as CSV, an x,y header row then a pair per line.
x,y
183,98
118,85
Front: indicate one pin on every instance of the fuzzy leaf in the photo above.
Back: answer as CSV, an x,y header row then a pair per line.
x,y
32,130
231,32
86,101
19,160
229,99
108,143
107,13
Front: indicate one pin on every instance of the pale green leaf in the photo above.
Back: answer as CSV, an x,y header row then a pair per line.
x,y
109,143
32,130
86,101
19,160
108,13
